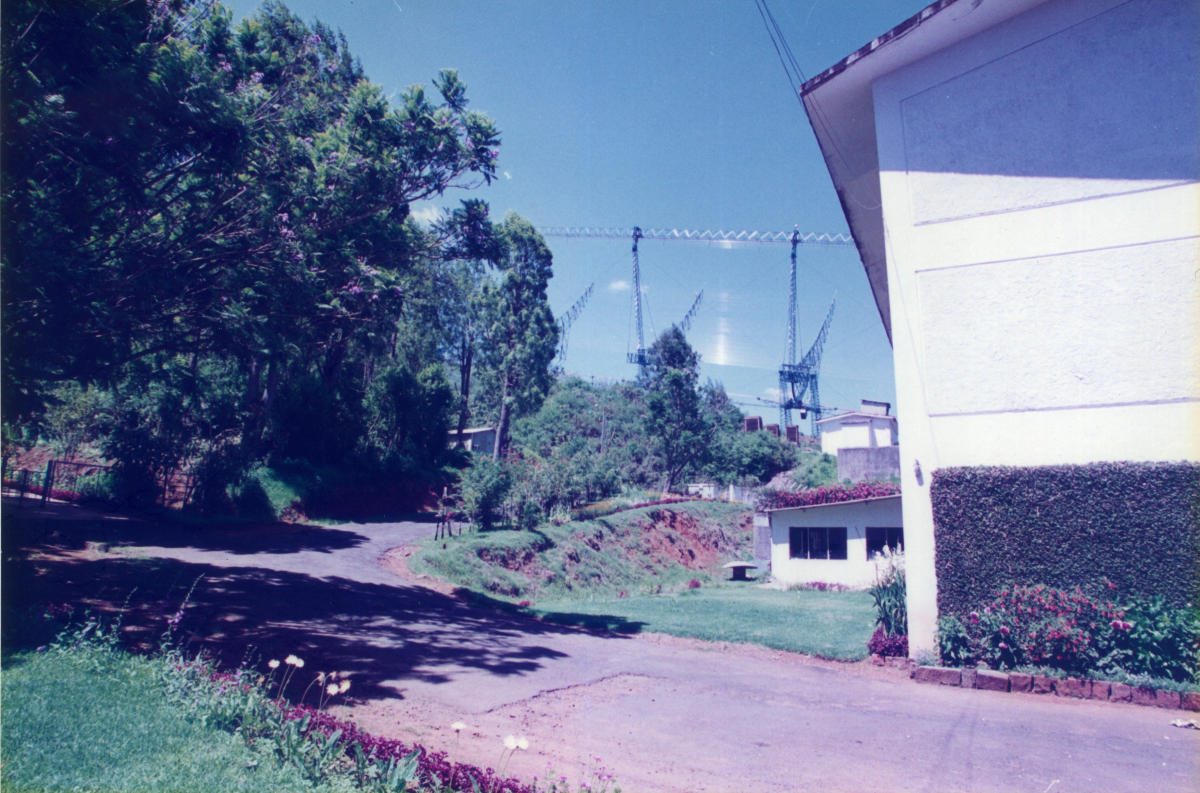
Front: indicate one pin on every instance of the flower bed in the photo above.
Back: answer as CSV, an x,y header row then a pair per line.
x,y
830,494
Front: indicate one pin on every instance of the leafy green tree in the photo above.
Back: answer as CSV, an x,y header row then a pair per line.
x,y
213,219
673,410
523,336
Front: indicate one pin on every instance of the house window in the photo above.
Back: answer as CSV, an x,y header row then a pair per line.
x,y
880,538
816,543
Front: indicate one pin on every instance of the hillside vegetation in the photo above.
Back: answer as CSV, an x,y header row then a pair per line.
x,y
637,551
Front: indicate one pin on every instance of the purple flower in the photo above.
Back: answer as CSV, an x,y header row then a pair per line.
x,y
314,40
355,290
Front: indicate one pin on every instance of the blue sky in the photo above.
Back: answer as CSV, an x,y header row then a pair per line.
x,y
660,115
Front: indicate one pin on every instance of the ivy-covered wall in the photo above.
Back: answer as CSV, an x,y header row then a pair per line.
x,y
1136,525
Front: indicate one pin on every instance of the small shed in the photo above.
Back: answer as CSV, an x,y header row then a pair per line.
x,y
475,439
839,543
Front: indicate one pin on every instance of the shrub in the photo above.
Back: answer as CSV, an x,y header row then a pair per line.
x,y
955,647
693,584
1041,626
1136,525
885,645
483,488
831,494
890,595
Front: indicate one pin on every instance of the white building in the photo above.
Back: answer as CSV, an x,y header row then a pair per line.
x,y
870,427
1022,179
834,543
475,439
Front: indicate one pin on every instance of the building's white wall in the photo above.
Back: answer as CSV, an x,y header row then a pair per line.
x,y
853,571
1042,216
873,431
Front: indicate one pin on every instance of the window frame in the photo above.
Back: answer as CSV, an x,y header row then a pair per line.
x,y
828,543
893,537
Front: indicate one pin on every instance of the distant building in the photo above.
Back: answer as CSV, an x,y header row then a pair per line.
x,y
869,427
476,439
1022,181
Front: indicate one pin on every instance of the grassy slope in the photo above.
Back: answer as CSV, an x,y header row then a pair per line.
x,y
628,550
91,721
827,624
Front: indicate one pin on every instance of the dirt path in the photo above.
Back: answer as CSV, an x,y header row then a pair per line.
x,y
663,714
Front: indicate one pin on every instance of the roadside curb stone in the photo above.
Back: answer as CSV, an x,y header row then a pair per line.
x,y
1071,687
1190,701
1167,699
938,675
1020,682
990,680
1100,689
968,677
1144,696
1042,684
1121,692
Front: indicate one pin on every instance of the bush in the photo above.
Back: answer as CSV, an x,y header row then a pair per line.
x,y
1040,626
1136,525
890,593
815,470
483,488
884,645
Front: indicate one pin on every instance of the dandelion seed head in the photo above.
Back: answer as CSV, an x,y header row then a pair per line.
x,y
332,689
522,743
292,660
510,742
458,726
343,686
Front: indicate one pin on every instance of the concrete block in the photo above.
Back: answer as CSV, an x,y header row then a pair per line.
x,y
968,678
938,675
1042,684
1167,699
1144,696
1071,687
1100,689
1120,693
877,659
1020,682
990,680
1190,701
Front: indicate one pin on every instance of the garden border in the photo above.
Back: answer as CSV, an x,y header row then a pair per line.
x,y
1067,688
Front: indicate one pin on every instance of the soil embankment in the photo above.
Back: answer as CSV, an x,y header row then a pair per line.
x,y
642,550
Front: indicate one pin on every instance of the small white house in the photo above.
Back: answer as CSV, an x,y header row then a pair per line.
x,y
475,439
870,427
834,543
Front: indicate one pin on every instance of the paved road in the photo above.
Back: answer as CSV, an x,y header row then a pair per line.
x,y
666,715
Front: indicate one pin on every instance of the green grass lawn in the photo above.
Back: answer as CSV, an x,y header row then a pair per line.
x,y
95,721
827,624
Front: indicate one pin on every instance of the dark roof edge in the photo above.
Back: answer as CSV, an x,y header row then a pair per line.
x,y
835,503
860,53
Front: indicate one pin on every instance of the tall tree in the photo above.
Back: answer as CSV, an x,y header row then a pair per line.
x,y
523,336
673,411
173,183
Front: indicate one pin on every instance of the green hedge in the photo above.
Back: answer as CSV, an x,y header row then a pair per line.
x,y
1136,525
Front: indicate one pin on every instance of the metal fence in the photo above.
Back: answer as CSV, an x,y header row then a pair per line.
x,y
64,480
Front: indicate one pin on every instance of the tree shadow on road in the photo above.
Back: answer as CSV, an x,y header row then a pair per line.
x,y
383,635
